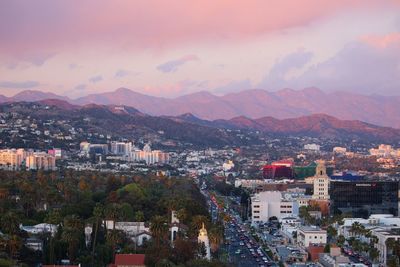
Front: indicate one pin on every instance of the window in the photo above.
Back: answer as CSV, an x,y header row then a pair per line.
x,y
256,206
256,217
256,211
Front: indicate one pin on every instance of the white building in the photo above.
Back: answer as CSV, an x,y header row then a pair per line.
x,y
312,147
267,204
136,231
40,228
383,226
307,235
321,182
121,148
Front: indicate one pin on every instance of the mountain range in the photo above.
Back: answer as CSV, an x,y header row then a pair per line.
x,y
125,121
253,104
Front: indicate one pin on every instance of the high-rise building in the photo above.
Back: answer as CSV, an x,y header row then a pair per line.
x,y
11,159
363,198
121,148
41,161
149,156
321,182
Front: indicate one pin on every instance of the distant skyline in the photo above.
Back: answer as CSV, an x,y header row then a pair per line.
x,y
172,48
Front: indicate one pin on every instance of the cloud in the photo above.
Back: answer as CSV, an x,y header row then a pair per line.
x,y
172,66
80,87
278,73
96,79
72,66
54,25
18,85
370,65
122,73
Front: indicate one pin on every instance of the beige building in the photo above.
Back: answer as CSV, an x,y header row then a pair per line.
x,y
41,161
321,182
149,156
307,235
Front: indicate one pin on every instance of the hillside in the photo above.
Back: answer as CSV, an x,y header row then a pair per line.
x,y
256,103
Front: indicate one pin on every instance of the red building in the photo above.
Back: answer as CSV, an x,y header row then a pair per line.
x,y
279,170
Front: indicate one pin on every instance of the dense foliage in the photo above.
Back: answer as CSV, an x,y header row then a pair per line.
x,y
73,200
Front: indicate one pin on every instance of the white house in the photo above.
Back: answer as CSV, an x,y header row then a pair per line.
x,y
307,235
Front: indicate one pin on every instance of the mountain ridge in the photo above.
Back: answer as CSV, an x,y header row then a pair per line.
x,y
253,103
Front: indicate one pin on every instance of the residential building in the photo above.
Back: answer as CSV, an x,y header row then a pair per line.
x,y
41,161
11,159
121,148
149,156
308,235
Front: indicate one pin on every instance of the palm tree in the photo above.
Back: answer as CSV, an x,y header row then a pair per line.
x,y
356,228
216,236
53,218
139,217
72,234
197,222
113,238
9,223
158,228
98,213
14,245
373,253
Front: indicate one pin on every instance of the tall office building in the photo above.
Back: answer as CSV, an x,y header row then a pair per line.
x,y
363,198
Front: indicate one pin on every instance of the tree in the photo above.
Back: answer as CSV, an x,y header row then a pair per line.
x,y
332,232
373,254
340,240
216,236
327,248
98,213
10,223
158,228
139,217
53,218
14,245
72,234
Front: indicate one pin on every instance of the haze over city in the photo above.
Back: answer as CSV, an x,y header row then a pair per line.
x,y
174,48
152,133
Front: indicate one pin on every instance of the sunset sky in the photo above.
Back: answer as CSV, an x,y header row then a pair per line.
x,y
171,48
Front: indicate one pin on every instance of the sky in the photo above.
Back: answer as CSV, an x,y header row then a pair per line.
x,y
176,47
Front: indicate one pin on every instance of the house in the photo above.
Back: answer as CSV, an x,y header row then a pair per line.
x,y
129,260
307,235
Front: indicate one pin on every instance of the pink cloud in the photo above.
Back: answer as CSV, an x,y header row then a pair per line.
x,y
382,41
53,25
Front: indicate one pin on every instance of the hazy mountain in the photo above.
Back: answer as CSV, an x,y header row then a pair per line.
x,y
256,103
316,125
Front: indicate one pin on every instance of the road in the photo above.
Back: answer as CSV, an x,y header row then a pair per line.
x,y
241,248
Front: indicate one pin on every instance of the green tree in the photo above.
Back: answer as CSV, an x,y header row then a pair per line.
x,y
72,234
139,217
158,228
53,218
98,213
